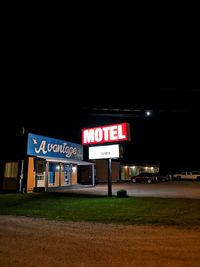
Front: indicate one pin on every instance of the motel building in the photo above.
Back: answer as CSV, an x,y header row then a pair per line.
x,y
54,164
49,164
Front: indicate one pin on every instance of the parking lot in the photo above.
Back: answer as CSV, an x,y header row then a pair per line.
x,y
172,189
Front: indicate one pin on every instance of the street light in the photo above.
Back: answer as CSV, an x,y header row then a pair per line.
x,y
148,113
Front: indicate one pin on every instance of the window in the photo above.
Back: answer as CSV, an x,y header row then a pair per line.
x,y
11,169
196,172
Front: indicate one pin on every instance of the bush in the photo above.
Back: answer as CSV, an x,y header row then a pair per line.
x,y
122,193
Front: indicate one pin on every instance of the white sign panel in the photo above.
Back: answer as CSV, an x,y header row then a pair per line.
x,y
104,152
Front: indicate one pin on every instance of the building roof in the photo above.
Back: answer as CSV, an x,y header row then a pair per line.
x,y
68,161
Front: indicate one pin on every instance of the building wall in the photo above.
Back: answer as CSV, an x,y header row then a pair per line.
x,y
57,178
127,171
59,175
115,170
102,170
10,184
30,176
85,175
74,175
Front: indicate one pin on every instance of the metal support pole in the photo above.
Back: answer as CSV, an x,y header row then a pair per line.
x,y
21,176
109,177
47,176
59,174
93,178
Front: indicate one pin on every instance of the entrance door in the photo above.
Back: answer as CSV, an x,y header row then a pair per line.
x,y
40,169
67,174
53,173
40,179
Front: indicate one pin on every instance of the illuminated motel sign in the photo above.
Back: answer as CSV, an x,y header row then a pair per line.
x,y
106,134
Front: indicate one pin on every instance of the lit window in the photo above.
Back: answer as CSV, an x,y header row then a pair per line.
x,y
11,169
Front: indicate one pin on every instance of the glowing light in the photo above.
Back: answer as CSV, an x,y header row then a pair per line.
x,y
106,134
74,168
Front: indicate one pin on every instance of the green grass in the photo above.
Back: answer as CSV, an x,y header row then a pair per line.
x,y
130,210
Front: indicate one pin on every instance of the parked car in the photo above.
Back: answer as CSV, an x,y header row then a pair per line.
x,y
163,177
194,175
145,177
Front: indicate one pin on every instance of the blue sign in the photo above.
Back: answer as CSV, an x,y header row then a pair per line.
x,y
49,147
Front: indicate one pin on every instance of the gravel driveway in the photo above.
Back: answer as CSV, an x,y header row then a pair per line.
x,y
33,242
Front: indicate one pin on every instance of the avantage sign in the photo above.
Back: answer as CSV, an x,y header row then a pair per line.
x,y
49,147
106,134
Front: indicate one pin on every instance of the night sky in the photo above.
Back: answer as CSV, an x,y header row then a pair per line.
x,y
58,100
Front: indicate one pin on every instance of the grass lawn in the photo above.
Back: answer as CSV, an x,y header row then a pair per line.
x,y
129,210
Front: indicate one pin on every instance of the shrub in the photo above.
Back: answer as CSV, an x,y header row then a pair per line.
x,y
122,193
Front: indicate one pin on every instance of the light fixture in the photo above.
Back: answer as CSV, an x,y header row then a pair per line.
x,y
148,113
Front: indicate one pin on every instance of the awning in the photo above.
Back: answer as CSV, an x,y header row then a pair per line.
x,y
67,161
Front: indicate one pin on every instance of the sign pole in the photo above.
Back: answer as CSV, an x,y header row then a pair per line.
x,y
109,177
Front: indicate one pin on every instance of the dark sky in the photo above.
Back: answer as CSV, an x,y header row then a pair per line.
x,y
58,97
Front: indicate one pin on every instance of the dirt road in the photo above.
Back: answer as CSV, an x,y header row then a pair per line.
x,y
40,242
